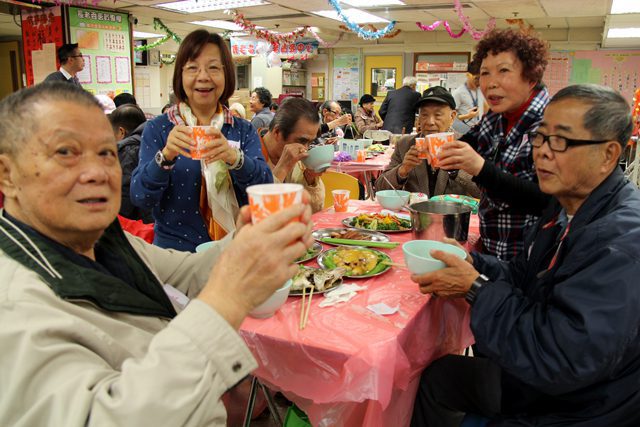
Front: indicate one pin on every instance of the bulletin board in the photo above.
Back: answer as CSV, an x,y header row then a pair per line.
x,y
617,69
346,77
104,39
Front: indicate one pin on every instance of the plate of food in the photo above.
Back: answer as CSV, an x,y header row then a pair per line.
x,y
322,280
311,253
357,262
348,233
386,223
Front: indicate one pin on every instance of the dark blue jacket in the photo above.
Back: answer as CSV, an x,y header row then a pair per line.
x,y
567,337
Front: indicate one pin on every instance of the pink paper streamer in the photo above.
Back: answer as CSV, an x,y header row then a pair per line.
x,y
436,24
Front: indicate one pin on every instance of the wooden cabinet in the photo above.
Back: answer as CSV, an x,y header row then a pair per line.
x,y
294,81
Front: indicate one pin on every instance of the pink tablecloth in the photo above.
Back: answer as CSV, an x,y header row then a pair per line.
x,y
351,367
377,163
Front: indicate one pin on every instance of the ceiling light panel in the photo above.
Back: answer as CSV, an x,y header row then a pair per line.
x,y
225,25
625,6
197,6
143,35
373,3
623,33
355,15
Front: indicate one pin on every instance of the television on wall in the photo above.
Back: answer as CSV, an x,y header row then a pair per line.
x,y
140,57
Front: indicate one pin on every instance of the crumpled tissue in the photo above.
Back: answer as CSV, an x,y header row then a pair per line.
x,y
341,294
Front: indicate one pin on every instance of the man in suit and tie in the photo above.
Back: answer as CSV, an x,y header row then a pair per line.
x,y
71,63
436,112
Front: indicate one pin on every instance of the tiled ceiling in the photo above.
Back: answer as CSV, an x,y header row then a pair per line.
x,y
286,15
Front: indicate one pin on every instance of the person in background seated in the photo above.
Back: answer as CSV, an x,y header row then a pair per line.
x,y
97,326
436,112
285,144
126,98
558,323
497,152
128,122
187,211
469,100
237,110
71,63
273,107
333,120
366,118
259,104
398,108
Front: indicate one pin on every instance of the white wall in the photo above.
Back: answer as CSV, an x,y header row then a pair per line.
x,y
318,64
261,75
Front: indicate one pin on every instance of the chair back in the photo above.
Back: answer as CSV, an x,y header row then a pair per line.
x,y
339,181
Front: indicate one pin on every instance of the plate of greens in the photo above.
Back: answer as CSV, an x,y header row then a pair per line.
x,y
384,223
311,253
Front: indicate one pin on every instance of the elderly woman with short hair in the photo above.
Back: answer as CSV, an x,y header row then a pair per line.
x,y
366,118
497,152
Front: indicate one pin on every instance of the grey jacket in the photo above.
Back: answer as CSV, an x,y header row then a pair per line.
x,y
57,76
418,179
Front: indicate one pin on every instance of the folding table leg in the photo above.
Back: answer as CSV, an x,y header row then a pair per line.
x,y
251,402
272,405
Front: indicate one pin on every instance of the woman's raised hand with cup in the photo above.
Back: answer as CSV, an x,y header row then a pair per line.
x,y
214,146
458,155
179,141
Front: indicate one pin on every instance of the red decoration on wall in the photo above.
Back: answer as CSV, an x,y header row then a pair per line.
x,y
39,27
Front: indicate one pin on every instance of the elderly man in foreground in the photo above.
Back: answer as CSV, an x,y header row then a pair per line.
x,y
558,323
96,325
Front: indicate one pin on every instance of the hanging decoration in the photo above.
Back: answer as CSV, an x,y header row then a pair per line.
x,y
170,35
466,24
324,43
436,24
361,32
267,35
524,28
390,35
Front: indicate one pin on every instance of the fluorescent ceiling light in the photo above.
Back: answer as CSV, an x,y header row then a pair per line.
x,y
373,3
356,15
623,33
625,6
238,34
225,25
196,6
143,35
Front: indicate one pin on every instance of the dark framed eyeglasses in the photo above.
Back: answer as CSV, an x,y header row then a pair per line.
x,y
337,113
559,143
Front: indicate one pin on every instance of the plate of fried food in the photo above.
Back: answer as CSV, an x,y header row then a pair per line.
x,y
358,262
311,253
384,223
348,233
322,280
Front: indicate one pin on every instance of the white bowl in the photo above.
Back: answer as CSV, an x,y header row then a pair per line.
x,y
417,255
273,303
204,246
320,158
393,199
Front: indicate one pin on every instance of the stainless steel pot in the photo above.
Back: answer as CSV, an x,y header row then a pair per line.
x,y
435,220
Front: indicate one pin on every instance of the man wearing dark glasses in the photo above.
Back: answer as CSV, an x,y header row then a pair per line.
x,y
559,322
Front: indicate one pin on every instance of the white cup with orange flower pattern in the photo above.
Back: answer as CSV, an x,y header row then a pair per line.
x,y
267,199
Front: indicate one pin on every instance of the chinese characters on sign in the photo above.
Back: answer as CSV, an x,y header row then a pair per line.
x,y
300,50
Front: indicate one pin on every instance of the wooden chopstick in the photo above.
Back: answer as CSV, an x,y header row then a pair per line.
x,y
301,324
306,314
395,264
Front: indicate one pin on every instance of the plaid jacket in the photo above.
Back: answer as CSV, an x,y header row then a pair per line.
x,y
501,229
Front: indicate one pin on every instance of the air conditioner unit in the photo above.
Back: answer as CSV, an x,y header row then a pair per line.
x,y
154,57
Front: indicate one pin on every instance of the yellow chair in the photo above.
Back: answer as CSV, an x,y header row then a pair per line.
x,y
339,181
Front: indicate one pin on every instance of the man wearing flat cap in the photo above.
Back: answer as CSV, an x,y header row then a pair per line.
x,y
436,112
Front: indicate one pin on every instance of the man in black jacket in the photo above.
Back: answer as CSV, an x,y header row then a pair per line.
x,y
398,108
559,322
128,122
